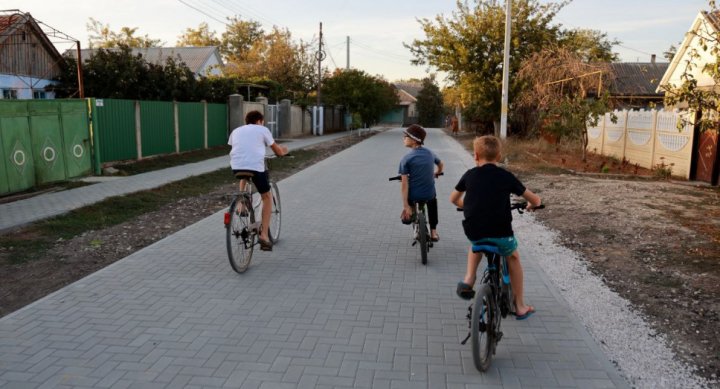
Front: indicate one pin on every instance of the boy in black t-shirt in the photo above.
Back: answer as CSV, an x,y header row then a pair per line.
x,y
488,218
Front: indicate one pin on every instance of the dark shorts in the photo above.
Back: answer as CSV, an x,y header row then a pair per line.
x,y
261,180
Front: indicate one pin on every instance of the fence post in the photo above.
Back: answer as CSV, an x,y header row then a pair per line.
x,y
176,126
653,133
236,117
205,123
625,133
138,130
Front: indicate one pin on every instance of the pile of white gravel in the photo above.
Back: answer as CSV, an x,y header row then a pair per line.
x,y
642,354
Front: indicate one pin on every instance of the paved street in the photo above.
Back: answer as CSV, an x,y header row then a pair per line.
x,y
342,302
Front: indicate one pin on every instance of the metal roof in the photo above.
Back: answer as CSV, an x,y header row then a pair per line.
x,y
637,78
193,57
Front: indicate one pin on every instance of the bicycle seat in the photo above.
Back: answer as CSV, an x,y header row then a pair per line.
x,y
243,175
485,248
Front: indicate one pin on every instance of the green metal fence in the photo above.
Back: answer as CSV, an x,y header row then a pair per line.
x,y
191,126
217,124
114,130
157,124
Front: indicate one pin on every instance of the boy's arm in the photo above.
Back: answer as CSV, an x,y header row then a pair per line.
x,y
278,150
456,198
405,191
439,170
532,199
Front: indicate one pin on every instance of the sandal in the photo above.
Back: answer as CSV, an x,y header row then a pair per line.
x,y
265,245
465,291
435,238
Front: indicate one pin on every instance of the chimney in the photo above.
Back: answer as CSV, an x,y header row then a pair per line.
x,y
652,58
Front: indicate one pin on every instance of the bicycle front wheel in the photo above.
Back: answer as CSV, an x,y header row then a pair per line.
x,y
422,237
275,219
240,234
482,331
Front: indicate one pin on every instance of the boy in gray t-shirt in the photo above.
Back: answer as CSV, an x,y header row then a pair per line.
x,y
417,173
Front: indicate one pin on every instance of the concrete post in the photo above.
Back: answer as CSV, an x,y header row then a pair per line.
x,y
236,115
138,131
284,118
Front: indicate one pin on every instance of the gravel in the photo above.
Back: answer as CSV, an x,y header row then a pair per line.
x,y
642,354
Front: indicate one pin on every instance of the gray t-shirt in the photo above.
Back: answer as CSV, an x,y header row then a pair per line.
x,y
418,164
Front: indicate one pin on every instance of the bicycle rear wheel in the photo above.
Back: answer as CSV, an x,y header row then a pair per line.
x,y
482,331
422,237
240,236
275,219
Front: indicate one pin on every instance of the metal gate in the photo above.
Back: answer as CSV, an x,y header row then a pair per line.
x,y
271,119
706,156
42,142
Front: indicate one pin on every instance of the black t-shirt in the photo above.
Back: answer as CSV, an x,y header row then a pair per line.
x,y
487,201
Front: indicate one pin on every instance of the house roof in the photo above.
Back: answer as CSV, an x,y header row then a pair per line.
x,y
712,20
411,88
194,57
13,20
637,78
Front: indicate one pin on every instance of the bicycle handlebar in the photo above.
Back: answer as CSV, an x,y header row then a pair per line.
x,y
397,178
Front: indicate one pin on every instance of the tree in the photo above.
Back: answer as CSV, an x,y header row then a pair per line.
x,y
102,37
239,37
369,96
469,45
430,104
670,53
199,37
565,91
589,45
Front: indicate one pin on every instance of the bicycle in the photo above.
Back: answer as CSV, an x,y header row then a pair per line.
x,y
421,231
493,302
242,228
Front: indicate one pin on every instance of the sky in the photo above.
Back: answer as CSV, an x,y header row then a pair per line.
x,y
377,29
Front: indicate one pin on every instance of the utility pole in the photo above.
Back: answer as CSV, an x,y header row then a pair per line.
x,y
506,71
347,44
320,55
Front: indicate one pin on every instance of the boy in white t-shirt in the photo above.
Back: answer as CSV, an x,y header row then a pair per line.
x,y
248,155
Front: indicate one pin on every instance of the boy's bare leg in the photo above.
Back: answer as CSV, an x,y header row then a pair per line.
x,y
266,210
516,280
472,263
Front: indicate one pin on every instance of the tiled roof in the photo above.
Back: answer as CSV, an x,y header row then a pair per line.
x,y
7,21
411,88
637,78
194,57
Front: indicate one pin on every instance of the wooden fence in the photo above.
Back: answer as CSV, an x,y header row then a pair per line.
x,y
648,138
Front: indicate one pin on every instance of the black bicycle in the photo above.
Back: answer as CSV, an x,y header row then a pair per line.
x,y
493,302
421,229
242,228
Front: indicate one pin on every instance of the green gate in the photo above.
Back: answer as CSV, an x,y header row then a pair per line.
x,y
42,142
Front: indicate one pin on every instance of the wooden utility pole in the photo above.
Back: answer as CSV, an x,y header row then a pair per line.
x,y
81,86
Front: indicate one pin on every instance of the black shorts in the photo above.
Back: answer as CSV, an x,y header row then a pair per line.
x,y
261,180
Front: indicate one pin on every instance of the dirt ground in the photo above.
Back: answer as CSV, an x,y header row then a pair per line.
x,y
655,242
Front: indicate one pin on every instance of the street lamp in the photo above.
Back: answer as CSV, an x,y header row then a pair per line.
x,y
506,71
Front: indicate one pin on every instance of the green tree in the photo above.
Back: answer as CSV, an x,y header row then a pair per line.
x,y
589,45
430,104
369,96
239,37
469,45
101,36
198,37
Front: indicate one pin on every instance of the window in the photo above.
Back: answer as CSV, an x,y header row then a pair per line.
x,y
9,94
39,94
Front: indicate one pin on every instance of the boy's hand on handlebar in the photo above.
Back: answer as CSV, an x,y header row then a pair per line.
x,y
438,174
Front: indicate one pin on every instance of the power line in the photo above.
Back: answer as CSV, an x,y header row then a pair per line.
x,y
203,12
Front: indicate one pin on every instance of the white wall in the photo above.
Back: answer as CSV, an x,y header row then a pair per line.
x,y
24,86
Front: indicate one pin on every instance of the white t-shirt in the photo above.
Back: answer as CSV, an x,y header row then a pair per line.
x,y
248,147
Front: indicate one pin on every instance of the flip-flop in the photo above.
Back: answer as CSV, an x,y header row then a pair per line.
x,y
526,314
265,245
465,291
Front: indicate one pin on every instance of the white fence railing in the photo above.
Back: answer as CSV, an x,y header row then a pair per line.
x,y
648,138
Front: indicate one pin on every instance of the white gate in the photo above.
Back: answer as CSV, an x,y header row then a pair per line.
x,y
271,121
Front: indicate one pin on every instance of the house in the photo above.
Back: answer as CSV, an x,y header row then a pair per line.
x,y
203,61
28,60
634,84
696,48
405,112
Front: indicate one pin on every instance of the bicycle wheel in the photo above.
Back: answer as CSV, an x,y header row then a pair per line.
x,y
422,237
240,236
482,331
275,220
506,294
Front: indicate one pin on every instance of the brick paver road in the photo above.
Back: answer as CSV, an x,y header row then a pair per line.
x,y
341,302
